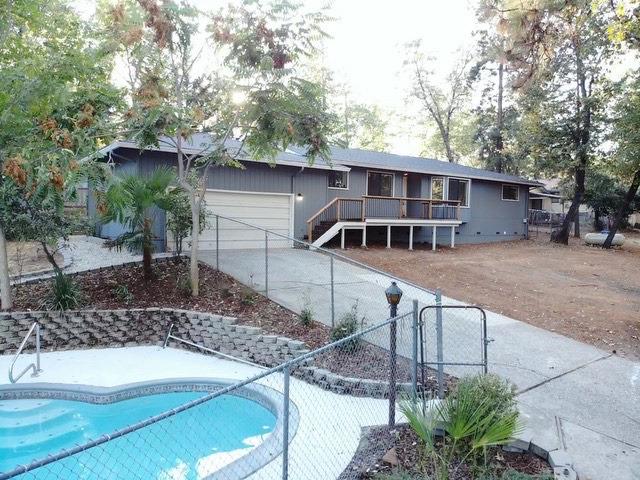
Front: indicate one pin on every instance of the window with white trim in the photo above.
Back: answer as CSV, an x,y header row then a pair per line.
x,y
339,180
458,189
510,193
437,188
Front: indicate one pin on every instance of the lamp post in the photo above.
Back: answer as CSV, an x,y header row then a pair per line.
x,y
393,294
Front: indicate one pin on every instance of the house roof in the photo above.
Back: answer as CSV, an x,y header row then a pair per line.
x,y
344,158
355,157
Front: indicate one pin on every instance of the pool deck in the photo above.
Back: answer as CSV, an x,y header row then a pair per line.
x,y
330,424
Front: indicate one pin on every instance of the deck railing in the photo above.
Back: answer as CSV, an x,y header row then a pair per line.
x,y
371,206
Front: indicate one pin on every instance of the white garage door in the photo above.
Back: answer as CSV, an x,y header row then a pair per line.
x,y
267,210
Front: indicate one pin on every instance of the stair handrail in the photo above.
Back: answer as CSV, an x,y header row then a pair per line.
x,y
35,366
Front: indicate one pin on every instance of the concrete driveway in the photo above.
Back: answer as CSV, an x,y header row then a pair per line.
x,y
573,396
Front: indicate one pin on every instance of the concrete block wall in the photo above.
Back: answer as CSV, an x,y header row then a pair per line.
x,y
84,329
125,328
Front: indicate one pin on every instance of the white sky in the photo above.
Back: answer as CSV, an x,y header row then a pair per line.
x,y
365,50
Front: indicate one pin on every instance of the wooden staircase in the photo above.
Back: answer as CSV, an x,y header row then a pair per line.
x,y
374,207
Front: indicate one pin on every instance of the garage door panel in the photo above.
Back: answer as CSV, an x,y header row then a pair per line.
x,y
268,211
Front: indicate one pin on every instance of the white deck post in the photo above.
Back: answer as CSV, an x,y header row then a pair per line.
x,y
453,236
410,237
342,238
433,238
388,236
364,236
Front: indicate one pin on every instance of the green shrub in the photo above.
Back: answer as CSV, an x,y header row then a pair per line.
x,y
65,293
306,316
183,285
347,325
123,294
489,389
471,422
248,297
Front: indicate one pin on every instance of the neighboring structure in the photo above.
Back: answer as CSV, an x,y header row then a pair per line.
x,y
414,199
546,204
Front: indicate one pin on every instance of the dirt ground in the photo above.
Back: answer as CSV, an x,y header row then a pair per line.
x,y
27,257
587,293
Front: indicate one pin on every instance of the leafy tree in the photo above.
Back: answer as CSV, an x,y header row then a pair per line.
x,y
626,137
179,220
624,30
558,52
364,126
130,200
443,106
238,84
498,118
54,101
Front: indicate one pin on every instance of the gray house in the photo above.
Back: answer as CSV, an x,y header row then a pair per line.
x,y
394,197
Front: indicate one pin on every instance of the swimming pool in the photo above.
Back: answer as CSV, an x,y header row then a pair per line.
x,y
189,445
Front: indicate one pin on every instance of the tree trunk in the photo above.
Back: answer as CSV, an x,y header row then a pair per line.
x,y
499,144
628,198
195,240
562,235
50,257
147,247
576,225
5,283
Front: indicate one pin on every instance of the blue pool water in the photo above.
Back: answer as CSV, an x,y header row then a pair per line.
x,y
186,446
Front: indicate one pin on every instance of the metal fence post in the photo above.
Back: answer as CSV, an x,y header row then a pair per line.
x,y
414,350
439,346
392,366
266,263
333,304
217,244
285,426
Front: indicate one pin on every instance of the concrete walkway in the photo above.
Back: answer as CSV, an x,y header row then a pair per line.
x,y
573,396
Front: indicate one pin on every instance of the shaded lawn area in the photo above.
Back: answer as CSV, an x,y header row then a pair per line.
x,y
586,293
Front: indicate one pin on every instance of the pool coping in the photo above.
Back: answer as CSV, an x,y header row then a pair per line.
x,y
255,459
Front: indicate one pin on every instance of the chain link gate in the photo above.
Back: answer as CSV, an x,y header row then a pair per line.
x,y
437,335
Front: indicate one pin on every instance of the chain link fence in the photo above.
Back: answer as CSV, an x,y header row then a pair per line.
x,y
302,419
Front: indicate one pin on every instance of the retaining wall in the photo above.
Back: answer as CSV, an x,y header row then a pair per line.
x,y
126,328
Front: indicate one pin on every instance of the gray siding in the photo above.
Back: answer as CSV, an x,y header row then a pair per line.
x,y
487,215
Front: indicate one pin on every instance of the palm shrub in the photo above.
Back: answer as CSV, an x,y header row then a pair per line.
x,y
471,425
130,200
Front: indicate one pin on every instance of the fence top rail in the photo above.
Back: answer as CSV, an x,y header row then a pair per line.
x,y
22,469
411,199
326,251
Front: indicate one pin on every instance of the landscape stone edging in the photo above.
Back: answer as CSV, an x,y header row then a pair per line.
x,y
133,327
559,459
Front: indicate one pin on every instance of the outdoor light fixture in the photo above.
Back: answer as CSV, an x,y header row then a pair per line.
x,y
394,294
299,197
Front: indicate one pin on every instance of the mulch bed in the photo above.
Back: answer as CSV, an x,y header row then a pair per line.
x,y
377,441
220,294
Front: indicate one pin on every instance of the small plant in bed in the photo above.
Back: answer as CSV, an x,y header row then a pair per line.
x,y
458,435
123,294
65,293
347,325
248,297
307,316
